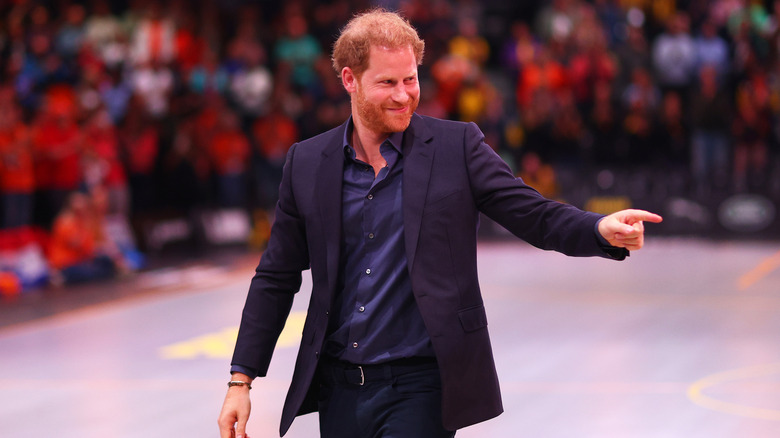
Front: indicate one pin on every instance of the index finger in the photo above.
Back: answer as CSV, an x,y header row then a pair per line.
x,y
642,215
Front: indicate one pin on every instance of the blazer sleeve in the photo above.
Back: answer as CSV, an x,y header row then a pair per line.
x,y
519,208
276,280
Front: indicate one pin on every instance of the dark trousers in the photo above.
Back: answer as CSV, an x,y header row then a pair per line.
x,y
393,401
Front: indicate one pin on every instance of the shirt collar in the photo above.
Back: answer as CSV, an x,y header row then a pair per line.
x,y
395,139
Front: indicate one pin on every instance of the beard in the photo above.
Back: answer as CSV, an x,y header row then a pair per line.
x,y
377,119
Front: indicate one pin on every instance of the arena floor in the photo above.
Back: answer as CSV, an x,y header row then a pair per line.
x,y
680,340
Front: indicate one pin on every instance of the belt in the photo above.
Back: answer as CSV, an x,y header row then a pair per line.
x,y
342,372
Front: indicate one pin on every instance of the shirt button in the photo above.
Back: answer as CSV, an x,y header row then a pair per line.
x,y
370,235
361,309
354,345
368,271
370,197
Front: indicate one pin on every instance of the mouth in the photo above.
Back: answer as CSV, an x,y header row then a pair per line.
x,y
400,110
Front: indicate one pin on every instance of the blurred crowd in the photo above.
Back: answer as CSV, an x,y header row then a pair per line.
x,y
130,111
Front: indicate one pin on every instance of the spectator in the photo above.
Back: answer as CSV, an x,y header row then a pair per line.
x,y
543,75
153,83
632,54
298,51
102,163
140,147
73,253
105,36
17,177
751,129
102,30
641,92
57,144
208,76
604,127
115,92
518,50
568,132
153,39
449,74
711,115
641,99
712,50
189,46
674,55
229,152
591,65
186,167
469,44
555,22
273,136
539,175
70,35
251,82
672,135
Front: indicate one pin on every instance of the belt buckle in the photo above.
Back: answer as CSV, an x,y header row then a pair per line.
x,y
362,376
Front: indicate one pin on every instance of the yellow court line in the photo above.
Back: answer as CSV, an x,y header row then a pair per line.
x,y
762,270
219,345
696,392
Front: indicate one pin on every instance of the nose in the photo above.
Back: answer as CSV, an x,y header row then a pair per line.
x,y
400,94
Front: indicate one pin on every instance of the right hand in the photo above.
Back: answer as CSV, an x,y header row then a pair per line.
x,y
235,410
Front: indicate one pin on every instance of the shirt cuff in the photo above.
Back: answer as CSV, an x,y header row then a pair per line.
x,y
243,370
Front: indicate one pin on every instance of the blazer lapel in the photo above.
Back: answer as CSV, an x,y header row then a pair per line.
x,y
418,158
327,195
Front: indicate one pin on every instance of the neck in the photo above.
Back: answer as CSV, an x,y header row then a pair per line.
x,y
366,145
367,142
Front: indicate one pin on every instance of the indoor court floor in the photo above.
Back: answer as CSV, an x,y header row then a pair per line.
x,y
680,340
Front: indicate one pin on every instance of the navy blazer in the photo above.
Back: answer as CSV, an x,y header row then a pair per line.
x,y
450,176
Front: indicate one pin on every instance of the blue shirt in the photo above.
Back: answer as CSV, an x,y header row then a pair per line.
x,y
375,316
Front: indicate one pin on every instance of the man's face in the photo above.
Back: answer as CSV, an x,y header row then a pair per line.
x,y
387,94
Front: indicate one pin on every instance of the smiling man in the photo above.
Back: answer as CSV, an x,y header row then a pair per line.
x,y
384,210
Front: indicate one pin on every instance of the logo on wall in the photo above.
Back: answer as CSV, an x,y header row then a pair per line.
x,y
746,213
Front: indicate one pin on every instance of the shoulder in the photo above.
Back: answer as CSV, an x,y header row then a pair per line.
x,y
439,124
320,143
427,128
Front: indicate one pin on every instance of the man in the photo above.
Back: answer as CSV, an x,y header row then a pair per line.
x,y
384,210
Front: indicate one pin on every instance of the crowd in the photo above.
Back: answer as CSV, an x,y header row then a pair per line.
x,y
145,109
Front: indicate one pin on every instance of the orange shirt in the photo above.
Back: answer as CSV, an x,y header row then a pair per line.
x,y
551,77
230,152
72,241
57,146
275,134
17,173
142,152
104,143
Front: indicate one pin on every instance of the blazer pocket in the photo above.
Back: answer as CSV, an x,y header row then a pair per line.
x,y
446,201
473,318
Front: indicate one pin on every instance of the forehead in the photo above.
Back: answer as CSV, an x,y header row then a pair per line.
x,y
391,61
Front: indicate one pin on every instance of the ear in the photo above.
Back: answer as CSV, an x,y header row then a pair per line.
x,y
349,80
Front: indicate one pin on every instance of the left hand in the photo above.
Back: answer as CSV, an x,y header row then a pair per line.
x,y
625,228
